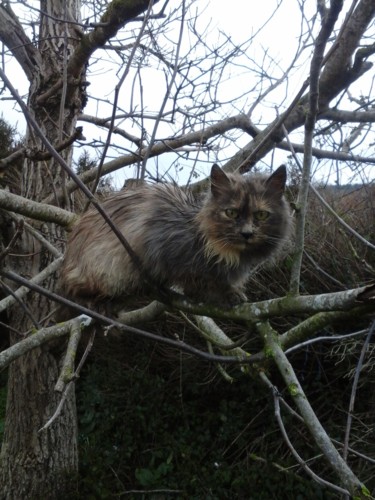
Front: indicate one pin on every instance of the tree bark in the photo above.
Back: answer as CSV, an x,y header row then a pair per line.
x,y
38,465
43,464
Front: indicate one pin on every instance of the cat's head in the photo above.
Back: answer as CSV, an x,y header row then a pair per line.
x,y
244,216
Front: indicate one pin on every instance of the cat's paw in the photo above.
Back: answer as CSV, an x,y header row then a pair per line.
x,y
234,298
217,296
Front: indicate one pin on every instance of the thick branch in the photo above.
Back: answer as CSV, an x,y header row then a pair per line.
x,y
118,13
348,479
13,36
33,341
339,70
328,23
35,210
216,336
39,278
167,146
284,306
328,154
336,76
309,327
180,345
345,116
246,312
143,315
39,155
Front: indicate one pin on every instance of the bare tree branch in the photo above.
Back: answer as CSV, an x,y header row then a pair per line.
x,y
13,36
70,384
165,146
38,155
327,205
67,371
117,14
354,389
337,75
35,210
328,22
327,154
341,115
303,464
330,302
143,315
33,341
347,478
39,278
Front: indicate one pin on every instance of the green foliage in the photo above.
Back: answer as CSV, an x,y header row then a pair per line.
x,y
145,425
86,163
7,138
10,177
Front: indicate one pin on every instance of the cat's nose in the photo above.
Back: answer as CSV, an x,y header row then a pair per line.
x,y
247,234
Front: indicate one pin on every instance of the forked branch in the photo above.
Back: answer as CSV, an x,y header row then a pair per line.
x,y
317,431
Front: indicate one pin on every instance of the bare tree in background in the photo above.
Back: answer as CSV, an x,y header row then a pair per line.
x,y
143,89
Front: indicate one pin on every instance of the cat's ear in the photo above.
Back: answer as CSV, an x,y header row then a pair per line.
x,y
276,182
219,180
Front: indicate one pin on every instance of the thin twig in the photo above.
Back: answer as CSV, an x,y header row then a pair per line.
x,y
321,270
328,23
354,389
59,408
340,220
70,385
117,93
303,464
339,443
329,338
317,431
23,290
34,125
323,201
67,371
167,93
17,298
36,234
179,345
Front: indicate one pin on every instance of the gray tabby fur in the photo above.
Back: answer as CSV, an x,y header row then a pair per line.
x,y
206,245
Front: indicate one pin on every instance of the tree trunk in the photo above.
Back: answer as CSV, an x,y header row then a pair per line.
x,y
38,465
43,464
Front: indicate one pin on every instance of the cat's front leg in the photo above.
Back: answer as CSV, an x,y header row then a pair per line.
x,y
235,296
217,293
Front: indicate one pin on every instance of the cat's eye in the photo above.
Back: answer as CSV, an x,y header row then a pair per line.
x,y
261,215
232,213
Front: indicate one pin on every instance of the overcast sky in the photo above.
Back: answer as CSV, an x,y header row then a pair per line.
x,y
277,28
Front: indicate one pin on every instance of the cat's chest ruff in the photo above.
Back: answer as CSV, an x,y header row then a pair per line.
x,y
220,253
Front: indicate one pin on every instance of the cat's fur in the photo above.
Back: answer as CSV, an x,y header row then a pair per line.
x,y
205,245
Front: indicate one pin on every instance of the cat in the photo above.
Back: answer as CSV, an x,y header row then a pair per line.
x,y
207,245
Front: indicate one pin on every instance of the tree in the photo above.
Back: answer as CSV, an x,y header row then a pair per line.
x,y
136,41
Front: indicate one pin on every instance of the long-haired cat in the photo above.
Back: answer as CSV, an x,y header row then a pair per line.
x,y
206,245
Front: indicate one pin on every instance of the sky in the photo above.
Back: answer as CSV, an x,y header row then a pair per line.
x,y
277,29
